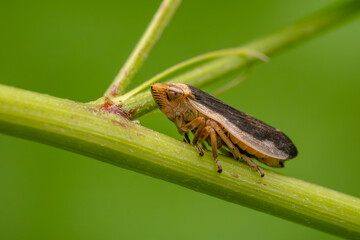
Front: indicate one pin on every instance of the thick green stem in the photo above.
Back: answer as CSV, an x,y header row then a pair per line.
x,y
143,48
294,34
86,129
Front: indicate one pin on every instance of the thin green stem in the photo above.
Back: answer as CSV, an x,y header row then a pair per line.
x,y
143,103
298,32
233,83
161,19
189,62
86,129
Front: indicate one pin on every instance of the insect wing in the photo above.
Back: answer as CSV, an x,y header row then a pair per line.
x,y
249,130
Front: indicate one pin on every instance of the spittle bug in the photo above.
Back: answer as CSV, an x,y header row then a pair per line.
x,y
222,126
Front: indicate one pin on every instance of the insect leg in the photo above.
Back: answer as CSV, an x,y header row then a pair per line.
x,y
208,130
179,123
198,123
252,164
232,147
203,146
226,152
201,125
186,138
235,151
184,128
181,126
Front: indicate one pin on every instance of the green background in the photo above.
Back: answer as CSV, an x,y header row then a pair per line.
x,y
73,49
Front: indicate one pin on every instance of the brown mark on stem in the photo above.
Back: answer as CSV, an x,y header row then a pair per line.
x,y
261,183
118,123
114,90
116,109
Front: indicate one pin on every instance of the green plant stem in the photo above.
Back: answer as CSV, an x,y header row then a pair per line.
x,y
189,62
302,30
85,129
161,19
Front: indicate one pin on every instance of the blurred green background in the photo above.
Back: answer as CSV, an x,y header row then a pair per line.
x,y
73,49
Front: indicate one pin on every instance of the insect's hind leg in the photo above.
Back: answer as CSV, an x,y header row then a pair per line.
x,y
235,151
252,164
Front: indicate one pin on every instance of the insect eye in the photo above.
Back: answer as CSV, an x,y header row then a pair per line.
x,y
175,93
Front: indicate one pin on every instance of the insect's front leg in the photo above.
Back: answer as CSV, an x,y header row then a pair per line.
x,y
233,148
180,123
198,123
186,138
208,130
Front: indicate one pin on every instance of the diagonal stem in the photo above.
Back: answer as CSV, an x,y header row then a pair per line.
x,y
189,62
300,31
161,19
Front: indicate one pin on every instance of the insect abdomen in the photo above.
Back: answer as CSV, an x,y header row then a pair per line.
x,y
273,162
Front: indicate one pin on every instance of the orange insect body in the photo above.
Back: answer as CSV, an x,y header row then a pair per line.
x,y
220,125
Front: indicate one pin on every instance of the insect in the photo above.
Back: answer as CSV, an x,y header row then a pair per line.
x,y
222,126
